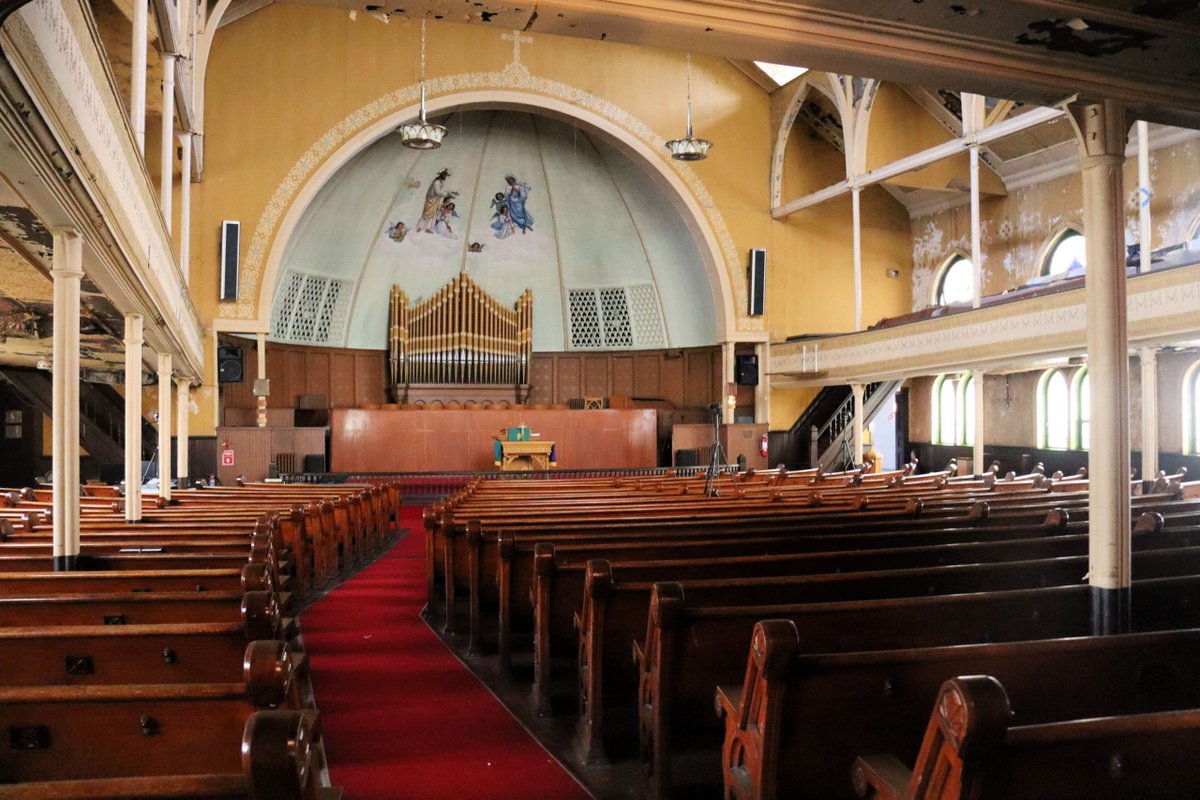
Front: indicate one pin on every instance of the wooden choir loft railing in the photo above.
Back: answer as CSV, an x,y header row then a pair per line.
x,y
461,337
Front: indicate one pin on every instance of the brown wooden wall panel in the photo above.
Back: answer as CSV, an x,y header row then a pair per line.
x,y
646,376
570,378
348,378
386,440
622,376
595,376
341,379
254,449
699,384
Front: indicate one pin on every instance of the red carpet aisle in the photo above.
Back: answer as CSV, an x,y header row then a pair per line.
x,y
402,718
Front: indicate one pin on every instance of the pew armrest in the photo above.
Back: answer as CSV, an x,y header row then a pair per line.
x,y
728,700
881,777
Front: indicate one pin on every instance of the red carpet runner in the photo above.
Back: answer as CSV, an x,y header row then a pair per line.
x,y
402,718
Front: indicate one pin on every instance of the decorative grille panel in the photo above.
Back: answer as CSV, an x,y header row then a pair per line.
x,y
311,309
615,317
646,316
585,319
615,307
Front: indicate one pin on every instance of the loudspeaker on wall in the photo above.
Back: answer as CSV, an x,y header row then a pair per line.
x,y
231,234
757,283
745,370
229,365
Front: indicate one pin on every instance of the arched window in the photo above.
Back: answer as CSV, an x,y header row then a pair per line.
x,y
966,402
1191,409
956,282
1081,410
1054,410
953,409
1067,256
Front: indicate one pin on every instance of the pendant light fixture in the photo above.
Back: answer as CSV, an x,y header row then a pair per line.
x,y
689,148
422,134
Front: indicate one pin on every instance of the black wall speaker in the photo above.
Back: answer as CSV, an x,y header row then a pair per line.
x,y
231,235
757,280
229,365
745,370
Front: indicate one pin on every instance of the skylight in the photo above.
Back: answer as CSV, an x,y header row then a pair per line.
x,y
780,73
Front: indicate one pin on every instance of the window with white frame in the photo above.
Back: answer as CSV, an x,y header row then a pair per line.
x,y
1081,410
1067,256
1191,409
956,282
1054,410
953,404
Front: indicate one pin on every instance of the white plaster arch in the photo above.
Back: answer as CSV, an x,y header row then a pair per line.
x,y
799,94
727,281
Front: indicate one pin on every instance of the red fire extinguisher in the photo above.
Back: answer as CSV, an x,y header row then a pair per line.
x,y
762,446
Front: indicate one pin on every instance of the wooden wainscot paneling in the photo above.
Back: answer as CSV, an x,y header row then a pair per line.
x,y
671,385
341,378
622,376
595,376
541,379
456,439
698,365
570,378
646,375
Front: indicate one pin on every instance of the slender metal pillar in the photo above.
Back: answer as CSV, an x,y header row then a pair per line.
x,y
261,399
137,88
185,207
182,413
1102,134
164,426
856,211
67,273
857,389
168,136
1148,358
133,417
977,452
1145,192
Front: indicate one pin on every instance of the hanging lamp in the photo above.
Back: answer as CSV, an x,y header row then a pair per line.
x,y
422,134
689,148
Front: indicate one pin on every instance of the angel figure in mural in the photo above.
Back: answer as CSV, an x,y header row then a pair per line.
x,y
436,198
502,221
398,231
441,222
515,196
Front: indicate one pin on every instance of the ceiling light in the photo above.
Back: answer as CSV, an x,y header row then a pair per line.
x,y
689,148
422,134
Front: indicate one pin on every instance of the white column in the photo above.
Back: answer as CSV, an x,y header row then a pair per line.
x,y
164,426
728,378
133,417
260,399
856,210
182,412
1148,358
857,389
168,136
185,206
67,273
977,452
137,88
1145,232
1102,134
976,234
762,392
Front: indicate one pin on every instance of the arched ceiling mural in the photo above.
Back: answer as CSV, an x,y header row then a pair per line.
x,y
518,201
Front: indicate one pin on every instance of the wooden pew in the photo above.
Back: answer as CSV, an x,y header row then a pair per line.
x,y
798,720
251,577
258,612
688,649
614,612
977,748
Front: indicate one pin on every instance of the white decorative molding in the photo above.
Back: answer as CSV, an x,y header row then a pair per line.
x,y
62,64
514,77
1163,307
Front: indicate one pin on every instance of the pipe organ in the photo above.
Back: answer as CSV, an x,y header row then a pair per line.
x,y
460,336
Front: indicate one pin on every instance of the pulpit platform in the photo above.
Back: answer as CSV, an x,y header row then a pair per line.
x,y
459,439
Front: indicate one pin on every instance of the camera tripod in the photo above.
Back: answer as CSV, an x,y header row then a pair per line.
x,y
717,458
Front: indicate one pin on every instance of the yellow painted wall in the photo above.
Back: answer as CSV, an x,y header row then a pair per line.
x,y
264,114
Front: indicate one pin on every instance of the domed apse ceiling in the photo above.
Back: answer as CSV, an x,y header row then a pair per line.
x,y
517,201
